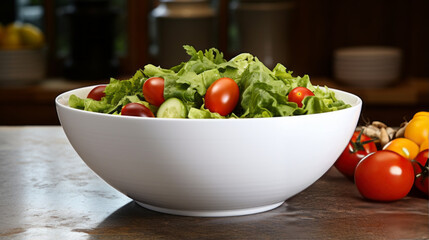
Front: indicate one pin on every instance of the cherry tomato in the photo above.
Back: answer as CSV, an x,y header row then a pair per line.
x,y
298,94
422,113
153,91
384,176
359,146
222,96
417,129
403,146
421,170
136,109
424,145
97,93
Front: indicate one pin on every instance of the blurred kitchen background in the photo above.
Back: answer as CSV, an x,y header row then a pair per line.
x,y
377,49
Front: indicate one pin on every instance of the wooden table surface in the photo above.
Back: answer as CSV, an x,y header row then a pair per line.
x,y
47,192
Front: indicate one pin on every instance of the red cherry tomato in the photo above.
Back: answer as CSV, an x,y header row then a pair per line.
x,y
421,170
298,94
97,93
359,147
153,91
136,109
384,176
222,96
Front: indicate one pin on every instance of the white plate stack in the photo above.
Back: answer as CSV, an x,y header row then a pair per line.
x,y
367,66
19,67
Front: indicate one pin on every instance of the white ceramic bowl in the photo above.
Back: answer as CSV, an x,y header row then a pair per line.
x,y
209,167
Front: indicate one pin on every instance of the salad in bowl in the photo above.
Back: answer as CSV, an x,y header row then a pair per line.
x,y
208,86
209,137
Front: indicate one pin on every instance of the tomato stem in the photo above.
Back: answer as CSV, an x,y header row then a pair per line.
x,y
368,141
424,170
358,144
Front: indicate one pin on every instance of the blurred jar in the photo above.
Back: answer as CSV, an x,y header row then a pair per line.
x,y
263,29
175,23
91,39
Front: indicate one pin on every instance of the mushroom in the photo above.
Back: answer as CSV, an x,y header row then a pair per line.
x,y
384,137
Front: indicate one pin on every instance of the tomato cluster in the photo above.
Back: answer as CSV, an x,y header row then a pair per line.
x,y
389,174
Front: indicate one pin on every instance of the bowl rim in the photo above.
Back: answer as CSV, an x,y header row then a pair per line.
x,y
59,104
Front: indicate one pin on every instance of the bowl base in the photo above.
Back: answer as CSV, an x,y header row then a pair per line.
x,y
211,213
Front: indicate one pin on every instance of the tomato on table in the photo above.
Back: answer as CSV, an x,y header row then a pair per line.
x,y
424,145
417,129
421,113
360,145
404,147
384,176
298,94
222,96
153,91
421,170
136,109
97,93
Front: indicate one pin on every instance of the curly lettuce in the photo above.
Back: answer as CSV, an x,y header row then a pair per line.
x,y
263,92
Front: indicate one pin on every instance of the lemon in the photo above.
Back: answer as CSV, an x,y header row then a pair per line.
x,y
13,28
424,145
31,36
11,38
11,41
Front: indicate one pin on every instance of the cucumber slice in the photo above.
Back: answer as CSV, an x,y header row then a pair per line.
x,y
172,108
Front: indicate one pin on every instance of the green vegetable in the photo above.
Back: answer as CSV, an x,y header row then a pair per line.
x,y
172,108
205,113
263,92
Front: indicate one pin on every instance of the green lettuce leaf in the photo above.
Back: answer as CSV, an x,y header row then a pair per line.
x,y
203,113
263,92
118,89
89,104
322,101
264,95
76,102
118,93
281,72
